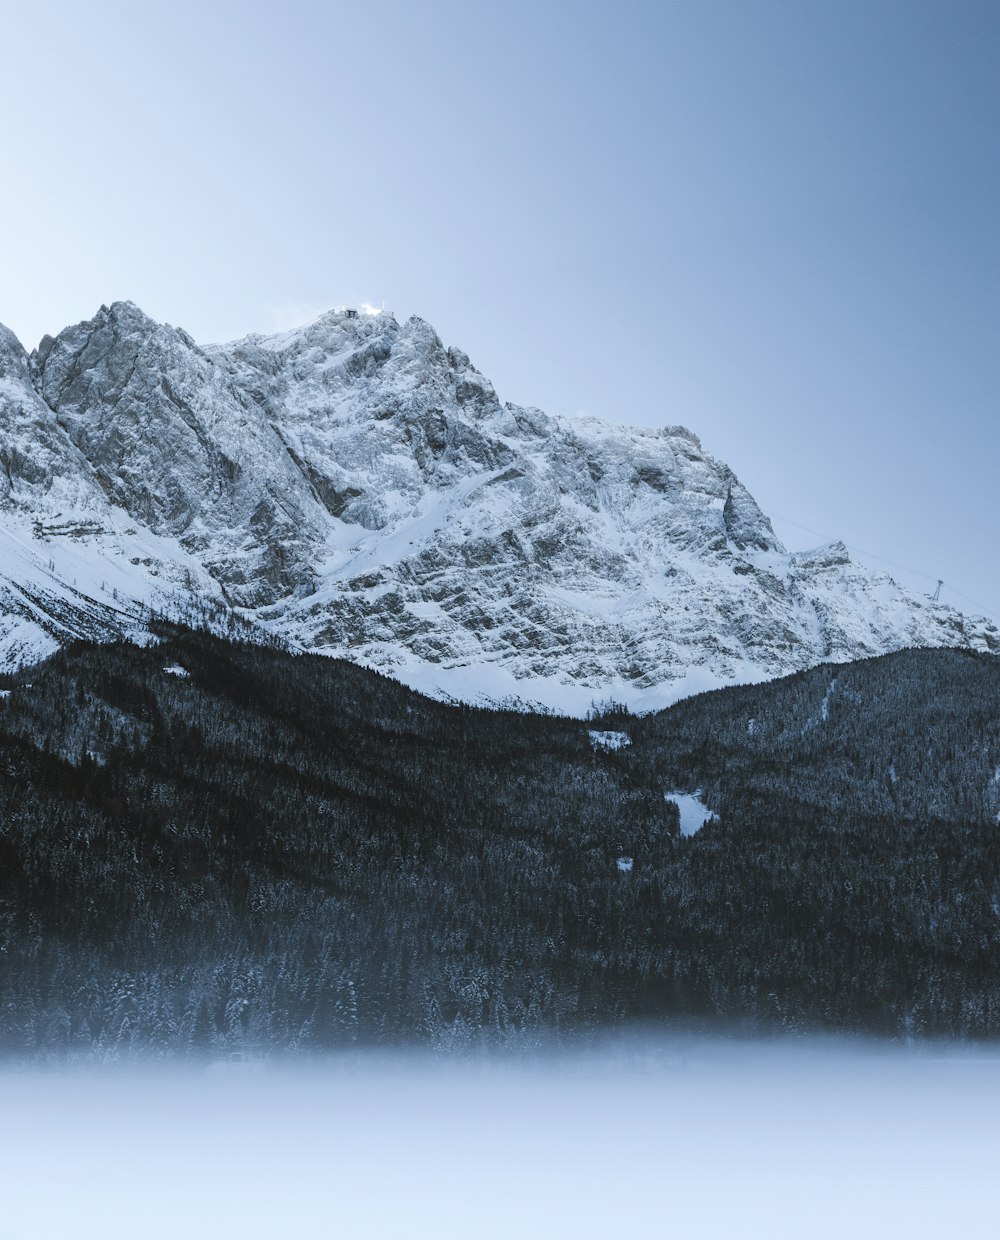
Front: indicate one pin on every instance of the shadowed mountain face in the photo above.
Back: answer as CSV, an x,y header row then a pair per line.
x,y
356,488
208,846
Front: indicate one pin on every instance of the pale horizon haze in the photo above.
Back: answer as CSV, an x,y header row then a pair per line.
x,y
774,222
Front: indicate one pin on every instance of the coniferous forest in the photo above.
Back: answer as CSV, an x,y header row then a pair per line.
x,y
208,846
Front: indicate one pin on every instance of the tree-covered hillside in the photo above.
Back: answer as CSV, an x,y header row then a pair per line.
x,y
206,845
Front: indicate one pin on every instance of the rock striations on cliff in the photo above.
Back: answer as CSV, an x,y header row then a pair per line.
x,y
356,488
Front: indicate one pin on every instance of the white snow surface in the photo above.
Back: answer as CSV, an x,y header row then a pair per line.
x,y
693,811
824,709
609,740
357,489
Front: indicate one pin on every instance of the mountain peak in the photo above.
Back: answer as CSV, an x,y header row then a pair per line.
x,y
127,311
13,356
122,317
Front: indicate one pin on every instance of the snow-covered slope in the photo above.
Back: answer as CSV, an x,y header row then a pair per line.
x,y
357,488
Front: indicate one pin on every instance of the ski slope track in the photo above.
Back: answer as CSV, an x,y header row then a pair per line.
x,y
356,488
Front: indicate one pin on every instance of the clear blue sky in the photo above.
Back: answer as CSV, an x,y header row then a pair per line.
x,y
777,223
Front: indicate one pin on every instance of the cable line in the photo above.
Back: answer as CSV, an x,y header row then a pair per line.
x,y
903,568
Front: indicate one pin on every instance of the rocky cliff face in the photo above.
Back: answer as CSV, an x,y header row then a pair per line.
x,y
184,451
357,487
73,564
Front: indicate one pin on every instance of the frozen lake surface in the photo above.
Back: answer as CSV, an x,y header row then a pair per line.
x,y
687,1138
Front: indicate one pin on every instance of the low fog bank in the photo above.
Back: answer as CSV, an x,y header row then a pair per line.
x,y
649,1137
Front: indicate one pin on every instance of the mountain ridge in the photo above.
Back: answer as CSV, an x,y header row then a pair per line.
x,y
357,488
210,846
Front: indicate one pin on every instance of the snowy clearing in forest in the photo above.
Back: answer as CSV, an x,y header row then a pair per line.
x,y
610,740
694,813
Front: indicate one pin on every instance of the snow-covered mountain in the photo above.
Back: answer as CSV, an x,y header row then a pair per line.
x,y
357,488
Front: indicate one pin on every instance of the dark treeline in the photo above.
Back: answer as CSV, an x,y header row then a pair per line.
x,y
279,851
